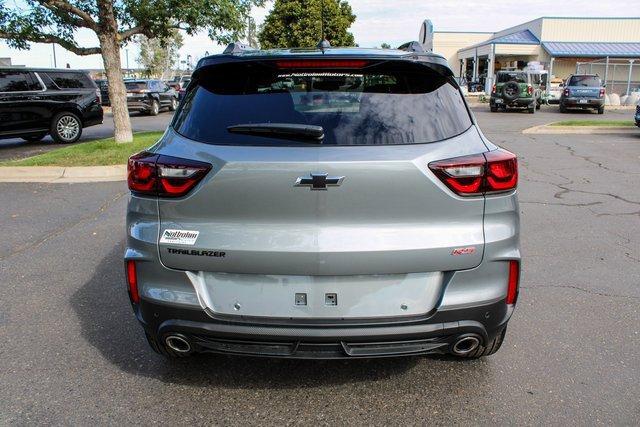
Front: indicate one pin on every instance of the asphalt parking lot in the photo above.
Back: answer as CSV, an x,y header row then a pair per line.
x,y
73,353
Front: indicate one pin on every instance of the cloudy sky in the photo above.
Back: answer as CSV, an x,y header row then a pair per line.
x,y
378,21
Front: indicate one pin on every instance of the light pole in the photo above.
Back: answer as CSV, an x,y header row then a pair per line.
x,y
126,51
55,61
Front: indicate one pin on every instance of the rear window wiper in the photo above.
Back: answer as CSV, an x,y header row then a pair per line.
x,y
287,130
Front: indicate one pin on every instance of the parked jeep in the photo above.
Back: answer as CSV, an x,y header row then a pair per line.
x,y
514,89
584,91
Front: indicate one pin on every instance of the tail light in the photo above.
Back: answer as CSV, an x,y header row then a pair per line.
x,y
157,175
488,173
132,281
601,92
530,90
514,282
493,89
322,63
566,92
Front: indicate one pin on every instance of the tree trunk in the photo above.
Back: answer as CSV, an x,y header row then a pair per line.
x,y
117,91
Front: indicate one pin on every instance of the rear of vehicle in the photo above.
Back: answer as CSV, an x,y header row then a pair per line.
x,y
583,91
555,91
139,95
637,115
327,204
513,89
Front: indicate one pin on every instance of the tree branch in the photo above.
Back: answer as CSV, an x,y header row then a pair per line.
x,y
62,5
126,34
49,38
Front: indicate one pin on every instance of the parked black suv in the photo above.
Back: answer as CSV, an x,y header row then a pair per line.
x,y
149,96
37,102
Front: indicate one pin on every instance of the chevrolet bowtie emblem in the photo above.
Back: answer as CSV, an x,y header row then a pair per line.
x,y
319,181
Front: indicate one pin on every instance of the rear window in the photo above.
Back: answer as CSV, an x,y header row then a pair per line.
x,y
512,77
384,104
589,81
71,80
135,85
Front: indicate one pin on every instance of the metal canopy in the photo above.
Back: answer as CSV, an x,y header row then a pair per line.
x,y
592,49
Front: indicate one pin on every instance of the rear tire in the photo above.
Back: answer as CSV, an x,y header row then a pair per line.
x,y
531,110
601,110
155,108
494,109
66,128
34,138
491,347
538,105
173,105
563,109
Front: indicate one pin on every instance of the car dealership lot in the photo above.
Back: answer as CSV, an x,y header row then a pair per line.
x,y
73,353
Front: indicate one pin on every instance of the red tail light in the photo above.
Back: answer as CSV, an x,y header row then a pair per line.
x,y
566,92
493,89
601,92
132,281
157,175
322,63
530,90
492,172
514,282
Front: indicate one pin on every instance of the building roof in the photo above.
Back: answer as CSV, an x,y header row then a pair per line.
x,y
519,37
592,49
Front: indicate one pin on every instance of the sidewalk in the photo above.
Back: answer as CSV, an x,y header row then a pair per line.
x,y
58,174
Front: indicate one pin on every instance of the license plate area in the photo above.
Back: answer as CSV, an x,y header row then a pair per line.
x,y
583,101
498,101
342,297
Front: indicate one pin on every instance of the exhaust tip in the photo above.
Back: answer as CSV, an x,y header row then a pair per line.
x,y
178,343
465,345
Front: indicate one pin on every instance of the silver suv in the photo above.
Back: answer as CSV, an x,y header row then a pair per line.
x,y
323,203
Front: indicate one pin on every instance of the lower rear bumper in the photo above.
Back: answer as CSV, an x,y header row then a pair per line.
x,y
575,103
321,339
518,102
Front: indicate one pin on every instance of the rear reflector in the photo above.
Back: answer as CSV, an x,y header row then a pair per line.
x,y
322,63
132,281
514,282
157,175
488,173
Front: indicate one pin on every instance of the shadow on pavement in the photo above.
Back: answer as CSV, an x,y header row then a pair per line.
x,y
108,324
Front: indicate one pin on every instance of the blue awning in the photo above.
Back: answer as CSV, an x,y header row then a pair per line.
x,y
592,49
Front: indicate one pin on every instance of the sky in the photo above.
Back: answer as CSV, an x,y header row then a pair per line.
x,y
378,21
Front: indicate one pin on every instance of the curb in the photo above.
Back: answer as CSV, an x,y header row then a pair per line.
x,y
61,175
581,130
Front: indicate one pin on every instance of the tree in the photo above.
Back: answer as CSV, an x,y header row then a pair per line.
x,y
303,23
159,56
116,22
385,46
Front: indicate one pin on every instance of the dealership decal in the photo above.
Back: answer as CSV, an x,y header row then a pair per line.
x,y
179,237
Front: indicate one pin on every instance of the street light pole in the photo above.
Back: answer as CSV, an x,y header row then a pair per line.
x,y
55,61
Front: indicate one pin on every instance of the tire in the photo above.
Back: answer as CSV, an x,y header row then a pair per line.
x,y
601,110
173,105
510,91
491,347
531,110
66,128
35,137
494,109
563,109
538,106
162,350
154,110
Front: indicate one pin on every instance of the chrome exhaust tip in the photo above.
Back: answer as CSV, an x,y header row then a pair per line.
x,y
178,343
465,345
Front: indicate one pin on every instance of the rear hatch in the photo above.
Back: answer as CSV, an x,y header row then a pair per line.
x,y
584,87
286,223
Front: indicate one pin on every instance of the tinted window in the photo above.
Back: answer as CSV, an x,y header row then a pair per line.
x,y
136,85
589,81
65,80
512,77
386,104
15,81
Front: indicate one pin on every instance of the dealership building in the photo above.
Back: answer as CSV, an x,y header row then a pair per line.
x,y
609,47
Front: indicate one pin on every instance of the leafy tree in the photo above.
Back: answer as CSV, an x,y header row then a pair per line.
x,y
158,56
303,23
116,22
385,46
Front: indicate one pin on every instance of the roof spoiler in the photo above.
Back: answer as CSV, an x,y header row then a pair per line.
x,y
237,47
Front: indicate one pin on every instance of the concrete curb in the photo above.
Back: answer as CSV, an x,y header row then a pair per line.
x,y
581,130
60,175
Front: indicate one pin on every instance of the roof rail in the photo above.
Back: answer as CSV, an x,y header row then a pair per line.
x,y
413,46
236,47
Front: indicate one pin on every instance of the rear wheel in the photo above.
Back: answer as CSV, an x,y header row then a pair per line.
x,y
35,137
601,110
563,109
66,128
491,347
531,110
494,109
155,108
538,105
173,105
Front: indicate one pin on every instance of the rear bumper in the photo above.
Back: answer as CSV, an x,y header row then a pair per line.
x,y
576,102
138,104
496,101
318,339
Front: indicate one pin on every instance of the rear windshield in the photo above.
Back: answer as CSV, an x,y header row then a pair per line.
x,y
374,106
135,85
512,77
66,80
589,81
